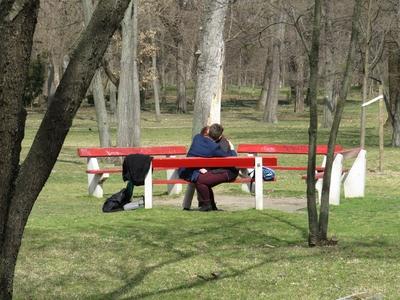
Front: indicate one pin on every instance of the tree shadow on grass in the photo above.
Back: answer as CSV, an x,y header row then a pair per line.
x,y
191,240
303,230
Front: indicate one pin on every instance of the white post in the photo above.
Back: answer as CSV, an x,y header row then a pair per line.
x,y
354,183
336,178
148,189
258,183
318,184
246,186
173,189
95,180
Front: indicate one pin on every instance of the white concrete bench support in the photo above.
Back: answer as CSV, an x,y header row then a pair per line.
x,y
173,189
354,182
247,187
336,178
95,181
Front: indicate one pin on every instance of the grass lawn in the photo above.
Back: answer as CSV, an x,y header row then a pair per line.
x,y
72,250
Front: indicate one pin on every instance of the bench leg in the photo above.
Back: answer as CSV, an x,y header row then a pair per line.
x,y
95,181
336,179
173,189
259,195
187,199
354,183
148,189
247,187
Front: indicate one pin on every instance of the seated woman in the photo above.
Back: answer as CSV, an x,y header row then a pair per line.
x,y
209,143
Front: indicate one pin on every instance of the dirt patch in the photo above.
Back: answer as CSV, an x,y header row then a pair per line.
x,y
231,203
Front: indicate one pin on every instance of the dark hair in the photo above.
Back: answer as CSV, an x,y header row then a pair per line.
x,y
204,130
215,131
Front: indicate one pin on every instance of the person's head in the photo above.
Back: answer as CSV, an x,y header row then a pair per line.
x,y
215,131
204,130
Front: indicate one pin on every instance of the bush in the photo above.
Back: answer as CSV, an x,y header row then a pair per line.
x,y
35,80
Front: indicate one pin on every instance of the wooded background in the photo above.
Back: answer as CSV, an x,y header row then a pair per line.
x,y
266,44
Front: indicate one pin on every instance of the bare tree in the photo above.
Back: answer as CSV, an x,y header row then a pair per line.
x,y
207,103
344,87
313,127
271,105
128,90
98,91
17,24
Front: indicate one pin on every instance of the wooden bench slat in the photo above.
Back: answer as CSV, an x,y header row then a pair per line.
x,y
160,163
215,162
283,149
182,181
124,151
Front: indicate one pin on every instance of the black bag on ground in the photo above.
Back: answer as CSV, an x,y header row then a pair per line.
x,y
116,202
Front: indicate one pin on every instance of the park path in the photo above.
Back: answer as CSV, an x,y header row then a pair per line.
x,y
231,202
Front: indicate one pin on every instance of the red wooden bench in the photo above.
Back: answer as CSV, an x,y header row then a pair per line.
x,y
160,163
355,178
97,175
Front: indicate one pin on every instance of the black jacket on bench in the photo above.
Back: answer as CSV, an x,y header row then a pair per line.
x,y
135,168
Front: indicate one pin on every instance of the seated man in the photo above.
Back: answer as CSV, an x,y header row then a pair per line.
x,y
209,143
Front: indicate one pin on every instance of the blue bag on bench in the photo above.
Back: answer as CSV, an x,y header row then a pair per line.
x,y
267,173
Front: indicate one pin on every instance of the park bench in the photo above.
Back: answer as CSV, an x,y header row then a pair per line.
x,y
354,178
97,175
160,163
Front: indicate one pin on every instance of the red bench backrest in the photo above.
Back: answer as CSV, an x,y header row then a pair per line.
x,y
156,150
215,162
282,149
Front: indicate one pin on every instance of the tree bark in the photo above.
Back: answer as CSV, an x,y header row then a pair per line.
x,y
98,91
393,107
344,87
365,76
17,25
156,82
135,129
329,99
207,105
271,105
181,103
299,100
128,134
267,76
16,36
313,127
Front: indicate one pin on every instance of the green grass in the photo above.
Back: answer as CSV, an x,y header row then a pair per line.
x,y
72,250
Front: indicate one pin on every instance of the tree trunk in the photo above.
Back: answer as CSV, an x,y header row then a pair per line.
x,y
365,77
53,79
267,76
98,91
16,36
393,107
207,105
113,101
345,84
181,103
329,103
17,25
313,127
299,100
135,124
128,91
271,105
156,82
